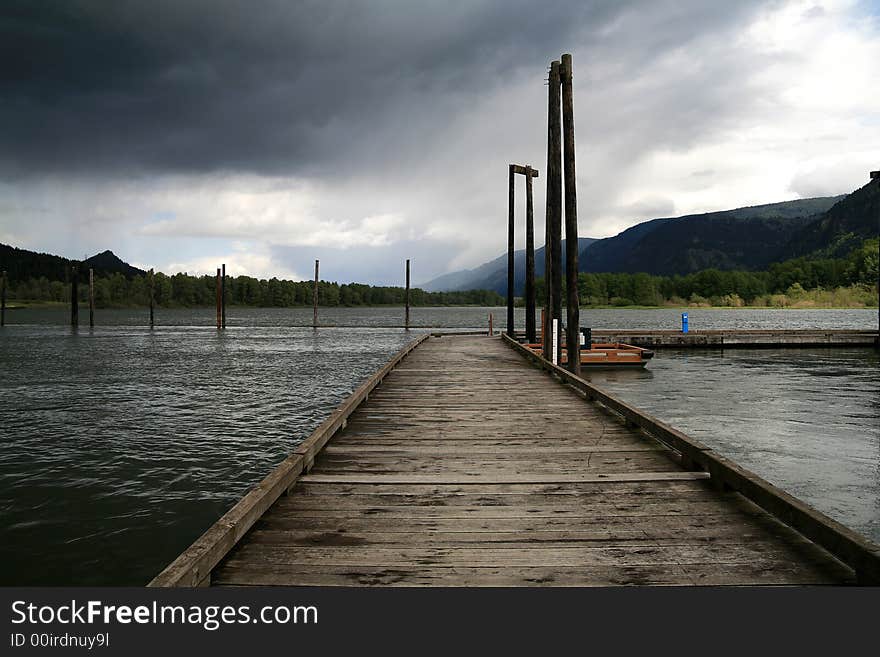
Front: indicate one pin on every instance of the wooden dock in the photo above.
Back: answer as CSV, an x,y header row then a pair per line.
x,y
741,338
460,464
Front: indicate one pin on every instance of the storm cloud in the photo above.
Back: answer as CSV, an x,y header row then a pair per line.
x,y
268,132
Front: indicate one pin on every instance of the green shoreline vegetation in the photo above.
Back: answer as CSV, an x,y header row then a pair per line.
x,y
849,282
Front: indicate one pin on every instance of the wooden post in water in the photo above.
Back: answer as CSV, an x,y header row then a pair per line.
x,y
3,298
223,294
91,298
510,201
407,294
152,296
571,229
530,257
315,298
553,250
491,328
219,302
74,296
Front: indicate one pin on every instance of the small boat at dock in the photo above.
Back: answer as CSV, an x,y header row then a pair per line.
x,y
605,355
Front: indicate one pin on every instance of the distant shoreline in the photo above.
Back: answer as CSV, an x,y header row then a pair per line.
x,y
58,305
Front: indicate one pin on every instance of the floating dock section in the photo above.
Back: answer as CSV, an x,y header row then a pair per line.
x,y
741,338
461,463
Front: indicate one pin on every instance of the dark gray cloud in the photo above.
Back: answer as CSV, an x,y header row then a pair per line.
x,y
277,86
265,134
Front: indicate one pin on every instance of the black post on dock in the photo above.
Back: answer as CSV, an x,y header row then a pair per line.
x,y
218,295
531,336
3,298
571,228
407,294
74,295
91,298
510,201
223,294
315,298
152,296
553,249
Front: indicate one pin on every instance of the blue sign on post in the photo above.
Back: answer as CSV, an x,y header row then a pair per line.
x,y
684,322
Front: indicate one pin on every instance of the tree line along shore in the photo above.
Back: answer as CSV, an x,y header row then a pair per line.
x,y
851,281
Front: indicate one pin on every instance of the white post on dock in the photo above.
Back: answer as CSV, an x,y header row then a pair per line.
x,y
555,341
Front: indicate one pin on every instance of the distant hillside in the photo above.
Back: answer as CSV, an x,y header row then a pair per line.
x,y
493,274
749,238
109,262
744,238
842,228
21,264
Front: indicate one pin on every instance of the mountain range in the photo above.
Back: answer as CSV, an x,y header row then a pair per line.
x,y
21,264
750,238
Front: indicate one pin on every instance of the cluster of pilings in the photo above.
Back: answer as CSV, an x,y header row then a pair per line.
x,y
560,164
221,295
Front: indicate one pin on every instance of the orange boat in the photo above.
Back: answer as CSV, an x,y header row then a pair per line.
x,y
614,355
605,355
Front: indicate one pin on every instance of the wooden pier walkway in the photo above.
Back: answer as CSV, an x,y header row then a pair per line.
x,y
468,467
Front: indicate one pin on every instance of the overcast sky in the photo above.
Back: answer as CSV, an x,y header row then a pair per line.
x,y
266,134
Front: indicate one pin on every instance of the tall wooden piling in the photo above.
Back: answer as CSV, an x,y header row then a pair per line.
x,y
91,298
530,259
315,298
3,298
219,301
407,294
152,296
74,296
223,294
571,228
510,201
553,250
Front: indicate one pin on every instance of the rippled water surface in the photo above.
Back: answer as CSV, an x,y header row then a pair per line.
x,y
119,446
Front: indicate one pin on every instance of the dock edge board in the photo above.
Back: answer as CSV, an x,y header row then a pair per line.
x,y
193,567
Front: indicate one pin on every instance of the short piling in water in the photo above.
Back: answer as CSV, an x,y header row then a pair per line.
x,y
406,320
74,296
91,298
571,229
315,298
491,328
3,299
219,302
223,295
152,297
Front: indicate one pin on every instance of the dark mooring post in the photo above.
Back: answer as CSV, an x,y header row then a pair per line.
x,y
530,258
74,296
407,294
315,298
91,298
223,294
554,212
572,338
510,201
218,295
3,299
152,296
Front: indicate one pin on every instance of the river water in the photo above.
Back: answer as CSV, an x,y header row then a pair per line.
x,y
120,445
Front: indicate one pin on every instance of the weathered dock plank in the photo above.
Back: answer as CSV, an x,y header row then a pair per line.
x,y
468,468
